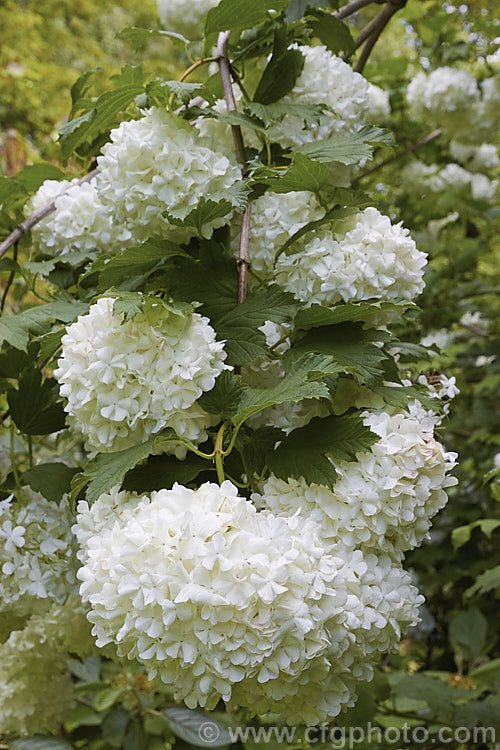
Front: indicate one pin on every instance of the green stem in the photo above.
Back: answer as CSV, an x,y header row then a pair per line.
x,y
219,453
233,440
30,451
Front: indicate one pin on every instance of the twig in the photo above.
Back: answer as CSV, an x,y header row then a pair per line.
x,y
194,66
9,281
30,222
353,7
408,150
225,72
373,30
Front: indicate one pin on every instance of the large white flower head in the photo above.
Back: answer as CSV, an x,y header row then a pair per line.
x,y
160,163
453,175
37,552
386,499
206,592
80,220
35,688
184,16
325,79
275,217
372,259
127,380
442,94
476,158
422,177
379,106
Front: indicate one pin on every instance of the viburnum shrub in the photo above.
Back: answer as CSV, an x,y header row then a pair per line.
x,y
243,458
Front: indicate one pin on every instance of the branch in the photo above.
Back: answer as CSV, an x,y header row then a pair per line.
x,y
408,150
353,7
30,222
373,30
225,72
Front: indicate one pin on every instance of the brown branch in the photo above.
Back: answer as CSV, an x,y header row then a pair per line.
x,y
370,34
408,150
30,222
225,72
353,7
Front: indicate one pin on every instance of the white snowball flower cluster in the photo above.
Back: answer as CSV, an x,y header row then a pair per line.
x,y
274,219
379,106
206,592
443,91
35,688
372,259
37,552
476,158
80,220
160,163
325,79
184,16
125,381
429,178
385,500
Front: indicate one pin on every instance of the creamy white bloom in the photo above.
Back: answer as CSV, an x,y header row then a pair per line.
x,y
35,688
379,106
205,591
428,178
37,552
80,220
184,16
417,176
440,338
475,158
325,79
387,498
275,217
127,380
372,259
160,163
442,92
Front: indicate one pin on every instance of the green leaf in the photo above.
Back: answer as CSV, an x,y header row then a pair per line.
x,y
349,346
336,214
435,693
402,396
298,8
225,396
108,697
239,327
308,452
333,32
196,728
80,89
467,632
303,174
161,472
101,118
34,406
297,384
349,149
12,193
317,315
52,480
269,113
487,674
219,204
279,76
32,176
39,743
139,37
462,534
240,14
137,263
487,581
234,118
254,445
184,91
15,329
114,726
87,670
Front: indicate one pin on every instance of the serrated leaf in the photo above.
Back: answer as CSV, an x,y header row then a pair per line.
x,y
349,346
137,262
12,193
39,743
184,91
15,329
302,174
108,697
138,37
239,327
34,407
279,76
32,176
298,8
225,396
333,32
108,470
52,480
348,149
308,452
234,118
208,209
254,445
402,396
310,114
160,472
196,728
462,534
487,581
101,118
318,315
240,14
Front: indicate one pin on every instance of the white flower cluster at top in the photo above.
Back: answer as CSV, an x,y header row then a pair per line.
x,y
127,380
37,553
430,178
184,18
35,688
368,258
222,601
